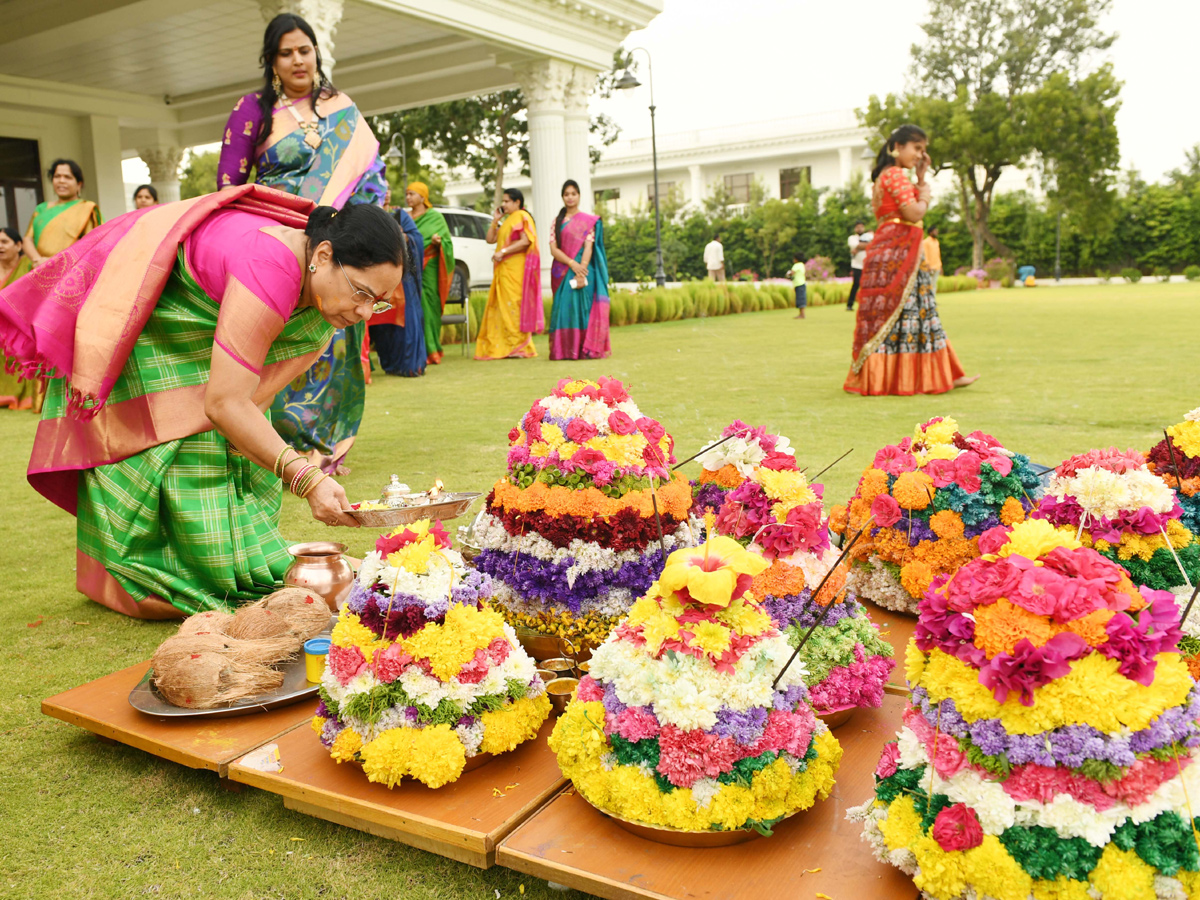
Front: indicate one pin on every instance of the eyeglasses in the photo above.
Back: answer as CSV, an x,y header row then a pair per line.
x,y
377,306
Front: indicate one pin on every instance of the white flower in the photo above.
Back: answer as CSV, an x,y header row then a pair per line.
x,y
704,790
1193,416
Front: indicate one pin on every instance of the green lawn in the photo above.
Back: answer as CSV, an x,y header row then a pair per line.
x,y
1064,370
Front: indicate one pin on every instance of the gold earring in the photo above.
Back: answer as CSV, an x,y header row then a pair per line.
x,y
277,85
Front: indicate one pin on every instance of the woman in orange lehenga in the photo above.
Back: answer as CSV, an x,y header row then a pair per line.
x,y
514,310
899,344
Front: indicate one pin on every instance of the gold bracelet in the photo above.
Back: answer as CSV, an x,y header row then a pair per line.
x,y
312,487
277,469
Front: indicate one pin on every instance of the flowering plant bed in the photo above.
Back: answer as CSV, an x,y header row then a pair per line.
x,y
569,536
770,508
1048,747
422,675
931,497
678,724
1113,502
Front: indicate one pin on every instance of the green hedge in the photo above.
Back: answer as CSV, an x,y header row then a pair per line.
x,y
702,299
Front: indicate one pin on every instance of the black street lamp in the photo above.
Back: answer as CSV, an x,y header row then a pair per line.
x,y
628,82
393,156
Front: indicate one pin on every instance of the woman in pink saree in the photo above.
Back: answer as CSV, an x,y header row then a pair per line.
x,y
579,279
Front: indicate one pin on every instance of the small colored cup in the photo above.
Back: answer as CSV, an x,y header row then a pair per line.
x,y
315,651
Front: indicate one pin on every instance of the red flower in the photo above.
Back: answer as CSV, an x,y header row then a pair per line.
x,y
966,472
889,762
621,423
389,663
993,539
957,828
886,510
587,459
612,391
580,430
941,471
780,462
514,435
895,461
651,430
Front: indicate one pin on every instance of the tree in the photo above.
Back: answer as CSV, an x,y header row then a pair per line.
x,y
199,174
1002,83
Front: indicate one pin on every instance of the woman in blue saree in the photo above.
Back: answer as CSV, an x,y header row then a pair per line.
x,y
303,136
399,333
579,279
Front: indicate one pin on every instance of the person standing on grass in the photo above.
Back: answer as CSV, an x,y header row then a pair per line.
x,y
900,347
714,259
933,251
858,252
799,274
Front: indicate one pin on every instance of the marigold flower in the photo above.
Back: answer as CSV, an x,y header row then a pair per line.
x,y
915,577
1000,625
913,490
946,524
1012,512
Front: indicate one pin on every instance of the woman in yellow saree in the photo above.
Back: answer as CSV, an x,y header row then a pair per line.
x,y
15,392
56,226
514,306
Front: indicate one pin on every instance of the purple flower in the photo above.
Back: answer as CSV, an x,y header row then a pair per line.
x,y
744,727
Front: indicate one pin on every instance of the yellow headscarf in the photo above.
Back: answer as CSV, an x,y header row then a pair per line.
x,y
420,187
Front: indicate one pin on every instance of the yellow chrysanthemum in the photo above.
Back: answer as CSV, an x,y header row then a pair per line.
x,y
1062,888
345,745
516,723
936,433
993,873
1186,437
745,618
318,723
449,646
785,486
350,632
1037,537
942,875
552,434
434,756
914,662
709,637
1121,875
1093,693
710,572
902,825
938,451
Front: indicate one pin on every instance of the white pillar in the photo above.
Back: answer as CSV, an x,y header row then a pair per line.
x,y
577,124
322,15
544,85
163,163
846,160
103,180
697,178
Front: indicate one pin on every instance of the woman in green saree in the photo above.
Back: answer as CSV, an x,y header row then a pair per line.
x,y
438,268
15,392
170,329
56,225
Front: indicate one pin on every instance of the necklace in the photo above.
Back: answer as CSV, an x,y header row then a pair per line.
x,y
312,130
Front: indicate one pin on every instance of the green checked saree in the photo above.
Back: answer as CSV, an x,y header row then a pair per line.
x,y
172,519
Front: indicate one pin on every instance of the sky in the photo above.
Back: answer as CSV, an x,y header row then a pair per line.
x,y
717,63
778,58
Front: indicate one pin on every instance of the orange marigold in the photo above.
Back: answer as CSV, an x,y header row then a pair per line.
x,y
891,545
1012,512
1193,664
838,519
727,477
915,577
673,499
913,490
946,524
779,580
835,588
1000,625
873,483
1090,627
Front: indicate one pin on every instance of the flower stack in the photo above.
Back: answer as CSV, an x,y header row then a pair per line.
x,y
422,676
1112,501
930,497
678,724
1048,748
775,512
569,535
725,467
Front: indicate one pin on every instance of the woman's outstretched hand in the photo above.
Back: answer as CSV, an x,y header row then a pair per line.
x,y
328,503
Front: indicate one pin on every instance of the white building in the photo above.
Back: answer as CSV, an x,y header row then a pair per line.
x,y
826,148
101,81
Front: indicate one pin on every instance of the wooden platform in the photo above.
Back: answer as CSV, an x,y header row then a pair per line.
x,y
102,707
463,821
570,843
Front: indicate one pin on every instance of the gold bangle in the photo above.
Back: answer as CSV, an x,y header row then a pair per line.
x,y
312,487
277,468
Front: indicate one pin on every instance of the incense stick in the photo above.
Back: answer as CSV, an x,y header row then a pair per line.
x,y
1187,609
831,465
825,610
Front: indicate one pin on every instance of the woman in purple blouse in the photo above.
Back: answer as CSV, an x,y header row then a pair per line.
x,y
301,135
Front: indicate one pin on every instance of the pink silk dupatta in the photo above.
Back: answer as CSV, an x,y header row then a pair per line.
x,y
77,315
533,313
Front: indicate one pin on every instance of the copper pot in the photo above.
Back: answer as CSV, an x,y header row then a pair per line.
x,y
320,567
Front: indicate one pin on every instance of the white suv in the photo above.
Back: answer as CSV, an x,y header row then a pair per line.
x,y
472,252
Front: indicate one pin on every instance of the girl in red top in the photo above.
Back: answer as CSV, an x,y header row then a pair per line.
x,y
899,344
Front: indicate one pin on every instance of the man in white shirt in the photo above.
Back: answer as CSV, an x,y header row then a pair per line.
x,y
714,259
859,242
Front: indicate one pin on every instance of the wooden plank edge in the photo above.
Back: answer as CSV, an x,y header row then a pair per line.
x,y
130,739
428,843
601,886
382,815
896,690
224,764
527,812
